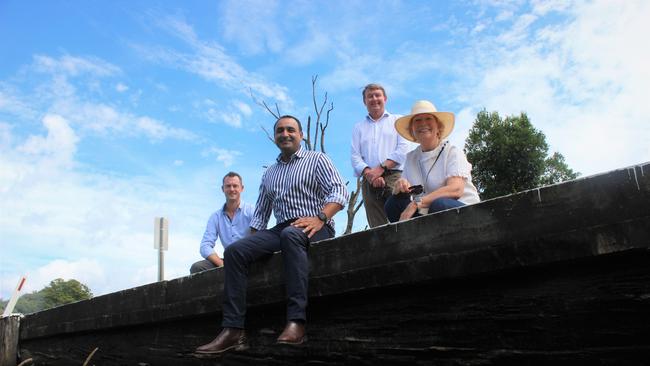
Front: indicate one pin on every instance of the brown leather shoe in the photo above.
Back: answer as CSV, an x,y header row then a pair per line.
x,y
293,333
229,338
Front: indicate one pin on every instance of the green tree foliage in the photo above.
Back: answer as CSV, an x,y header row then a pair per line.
x,y
61,292
556,170
30,303
58,292
509,155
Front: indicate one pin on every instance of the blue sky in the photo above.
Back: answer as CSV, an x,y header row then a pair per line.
x,y
114,112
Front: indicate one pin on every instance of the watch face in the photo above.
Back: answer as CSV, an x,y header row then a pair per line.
x,y
322,217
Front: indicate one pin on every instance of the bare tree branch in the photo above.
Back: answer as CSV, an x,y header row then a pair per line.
x,y
268,109
306,137
353,207
358,207
324,126
263,104
270,137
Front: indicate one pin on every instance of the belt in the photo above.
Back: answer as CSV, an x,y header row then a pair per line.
x,y
388,172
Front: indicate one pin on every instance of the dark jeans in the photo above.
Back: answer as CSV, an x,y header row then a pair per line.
x,y
396,204
201,266
239,255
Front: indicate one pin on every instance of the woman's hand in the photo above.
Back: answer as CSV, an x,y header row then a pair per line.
x,y
408,212
401,186
453,188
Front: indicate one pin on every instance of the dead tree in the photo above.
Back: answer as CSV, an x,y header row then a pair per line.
x,y
352,210
317,140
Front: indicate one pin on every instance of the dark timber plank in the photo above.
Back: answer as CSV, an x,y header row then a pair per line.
x,y
555,274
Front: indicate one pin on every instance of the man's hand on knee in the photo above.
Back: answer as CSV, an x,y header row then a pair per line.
x,y
310,225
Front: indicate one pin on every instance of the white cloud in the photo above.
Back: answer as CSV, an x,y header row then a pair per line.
x,y
60,143
74,66
66,98
244,108
5,136
504,15
232,119
84,270
316,44
11,103
519,30
157,130
93,227
231,114
542,7
226,157
102,119
479,28
121,87
264,35
583,83
210,61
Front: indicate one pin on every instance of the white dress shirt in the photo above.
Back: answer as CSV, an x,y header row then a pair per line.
x,y
375,141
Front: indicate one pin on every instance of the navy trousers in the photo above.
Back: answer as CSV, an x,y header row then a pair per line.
x,y
397,203
239,255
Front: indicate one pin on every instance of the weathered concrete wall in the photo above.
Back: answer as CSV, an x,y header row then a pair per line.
x,y
408,292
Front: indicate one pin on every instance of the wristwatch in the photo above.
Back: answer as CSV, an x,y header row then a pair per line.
x,y
322,217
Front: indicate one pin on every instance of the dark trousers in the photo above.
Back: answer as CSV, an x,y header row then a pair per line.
x,y
397,203
201,266
374,199
239,255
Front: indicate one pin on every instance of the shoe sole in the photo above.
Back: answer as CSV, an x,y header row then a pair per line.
x,y
236,347
302,341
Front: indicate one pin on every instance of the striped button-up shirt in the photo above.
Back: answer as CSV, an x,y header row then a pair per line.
x,y
298,188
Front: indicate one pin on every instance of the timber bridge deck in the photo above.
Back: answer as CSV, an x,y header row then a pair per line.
x,y
555,275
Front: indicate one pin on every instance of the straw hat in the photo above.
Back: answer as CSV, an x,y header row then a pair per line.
x,y
403,124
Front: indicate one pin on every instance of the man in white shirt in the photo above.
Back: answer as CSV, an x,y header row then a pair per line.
x,y
230,223
377,153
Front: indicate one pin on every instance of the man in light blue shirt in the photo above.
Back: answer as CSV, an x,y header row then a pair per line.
x,y
230,223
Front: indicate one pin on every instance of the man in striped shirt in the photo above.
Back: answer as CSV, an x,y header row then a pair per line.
x,y
304,190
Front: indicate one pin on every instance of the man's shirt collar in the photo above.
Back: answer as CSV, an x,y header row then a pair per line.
x,y
298,154
370,119
223,208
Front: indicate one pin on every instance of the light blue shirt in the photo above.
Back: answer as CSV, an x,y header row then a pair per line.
x,y
228,231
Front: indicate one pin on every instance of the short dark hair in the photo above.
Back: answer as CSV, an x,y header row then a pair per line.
x,y
232,175
287,116
373,86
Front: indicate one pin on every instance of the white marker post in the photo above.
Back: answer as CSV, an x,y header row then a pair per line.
x,y
14,298
160,240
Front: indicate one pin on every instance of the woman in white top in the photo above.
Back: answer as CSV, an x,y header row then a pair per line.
x,y
438,168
